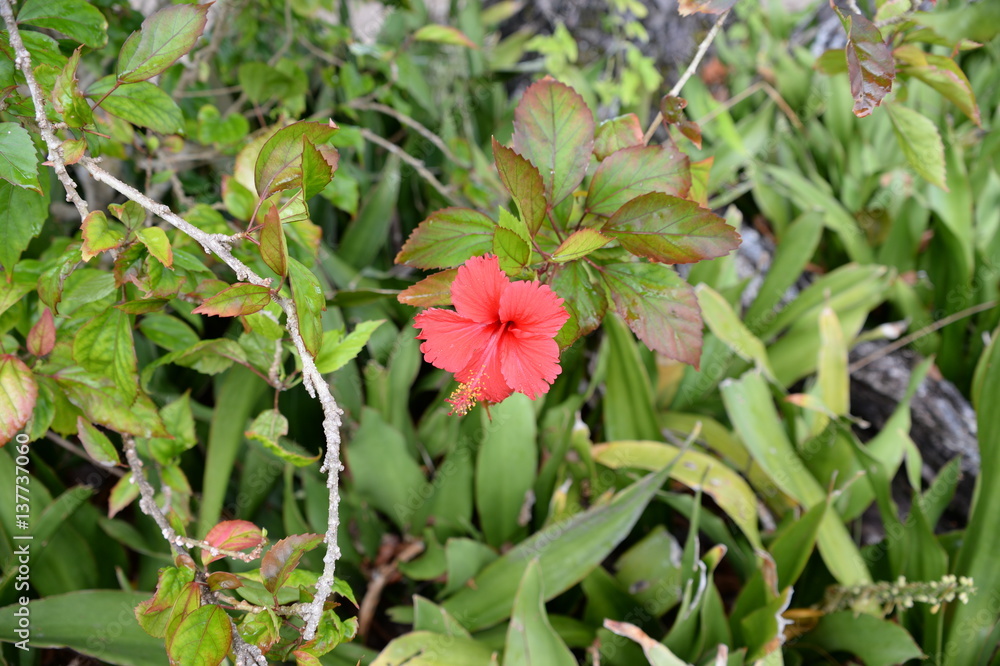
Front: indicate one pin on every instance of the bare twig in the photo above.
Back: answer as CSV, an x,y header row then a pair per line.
x,y
419,166
23,62
421,129
220,245
689,72
916,335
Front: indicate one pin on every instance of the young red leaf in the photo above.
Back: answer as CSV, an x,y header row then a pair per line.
x,y
161,41
18,393
273,249
100,235
524,183
223,580
448,238
870,65
42,336
231,535
617,133
671,230
280,561
659,306
672,109
554,130
635,171
432,290
443,34
240,299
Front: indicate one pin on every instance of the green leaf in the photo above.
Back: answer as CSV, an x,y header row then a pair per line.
x,y
206,356
723,321
57,622
659,307
241,299
318,166
696,470
585,303
425,648
273,249
18,159
179,422
870,65
155,240
512,250
96,443
202,637
18,393
269,428
365,237
579,244
443,34
161,41
875,641
336,353
524,183
942,74
921,143
616,133
671,230
385,474
279,165
531,640
123,493
749,405
22,214
793,547
635,171
168,331
142,104
100,235
70,102
77,19
505,468
104,346
566,552
432,290
281,560
554,130
629,411
448,238
309,304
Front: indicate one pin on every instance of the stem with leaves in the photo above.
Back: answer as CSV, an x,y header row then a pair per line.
x,y
221,246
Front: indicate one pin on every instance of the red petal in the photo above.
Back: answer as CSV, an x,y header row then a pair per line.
x,y
477,288
534,308
530,363
486,376
451,339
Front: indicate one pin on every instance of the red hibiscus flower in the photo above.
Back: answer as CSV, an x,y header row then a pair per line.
x,y
499,338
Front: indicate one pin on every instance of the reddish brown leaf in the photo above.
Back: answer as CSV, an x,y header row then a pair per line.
x,y
554,130
635,171
672,109
671,230
688,7
869,64
659,307
18,392
273,249
240,299
432,290
231,535
524,183
223,580
42,336
617,133
280,561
